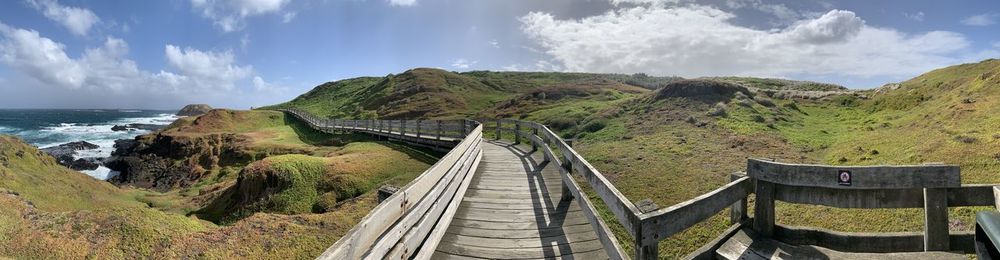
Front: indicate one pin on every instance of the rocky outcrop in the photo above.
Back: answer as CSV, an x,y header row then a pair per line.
x,y
709,91
134,127
194,110
65,153
164,161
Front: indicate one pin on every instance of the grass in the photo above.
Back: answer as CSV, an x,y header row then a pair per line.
x,y
49,211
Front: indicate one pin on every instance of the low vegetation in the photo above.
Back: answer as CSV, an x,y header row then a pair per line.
x,y
292,205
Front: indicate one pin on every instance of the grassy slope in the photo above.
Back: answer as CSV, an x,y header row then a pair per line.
x,y
75,216
675,151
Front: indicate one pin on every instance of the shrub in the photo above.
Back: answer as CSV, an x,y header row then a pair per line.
x,y
764,101
719,110
594,126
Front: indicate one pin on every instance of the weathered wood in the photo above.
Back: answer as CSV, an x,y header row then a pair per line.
x,y
665,222
446,217
745,244
414,236
935,219
763,213
489,207
372,228
862,177
964,196
738,211
585,250
422,215
996,197
707,251
530,233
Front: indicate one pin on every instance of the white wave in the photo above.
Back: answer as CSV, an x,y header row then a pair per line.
x,y
101,173
129,111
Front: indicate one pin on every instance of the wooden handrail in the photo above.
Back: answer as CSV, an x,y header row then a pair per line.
x,y
398,226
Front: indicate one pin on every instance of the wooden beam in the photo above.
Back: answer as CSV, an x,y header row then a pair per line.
x,y
738,211
862,177
763,212
666,222
935,219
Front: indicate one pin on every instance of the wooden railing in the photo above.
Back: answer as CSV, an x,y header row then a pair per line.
x,y
932,187
541,137
416,217
435,134
409,223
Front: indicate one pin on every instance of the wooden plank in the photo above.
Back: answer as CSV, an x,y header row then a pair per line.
x,y
996,197
513,225
608,240
520,243
545,218
966,195
427,248
372,226
763,212
862,177
936,219
738,211
531,233
422,208
747,245
665,222
520,253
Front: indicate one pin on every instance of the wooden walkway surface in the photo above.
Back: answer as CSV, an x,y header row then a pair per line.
x,y
513,210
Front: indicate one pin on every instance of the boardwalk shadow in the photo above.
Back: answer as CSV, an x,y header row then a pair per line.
x,y
550,219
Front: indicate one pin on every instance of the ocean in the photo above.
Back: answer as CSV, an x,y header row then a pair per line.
x,y
52,127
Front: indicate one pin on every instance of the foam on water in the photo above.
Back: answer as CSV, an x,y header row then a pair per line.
x,y
99,134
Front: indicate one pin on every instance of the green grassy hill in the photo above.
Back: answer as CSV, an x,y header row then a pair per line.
x,y
227,211
686,137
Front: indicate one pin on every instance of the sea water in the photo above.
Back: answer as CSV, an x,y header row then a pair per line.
x,y
52,127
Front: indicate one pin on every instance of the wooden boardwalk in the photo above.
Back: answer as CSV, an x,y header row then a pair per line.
x,y
513,210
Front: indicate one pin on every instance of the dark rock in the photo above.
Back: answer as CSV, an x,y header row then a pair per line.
x,y
83,164
149,127
194,110
64,153
163,162
133,127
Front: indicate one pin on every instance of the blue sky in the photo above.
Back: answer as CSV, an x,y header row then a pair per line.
x,y
242,53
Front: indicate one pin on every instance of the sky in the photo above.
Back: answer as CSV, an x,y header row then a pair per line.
x,y
245,53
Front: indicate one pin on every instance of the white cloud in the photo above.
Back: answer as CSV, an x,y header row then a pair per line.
x,y
288,17
402,2
982,19
918,16
230,15
463,63
699,40
105,75
494,43
207,69
996,44
77,20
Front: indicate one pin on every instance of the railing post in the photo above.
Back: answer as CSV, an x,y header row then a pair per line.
x,y
517,132
936,219
534,146
763,212
465,127
738,212
440,132
498,129
644,249
418,128
402,127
